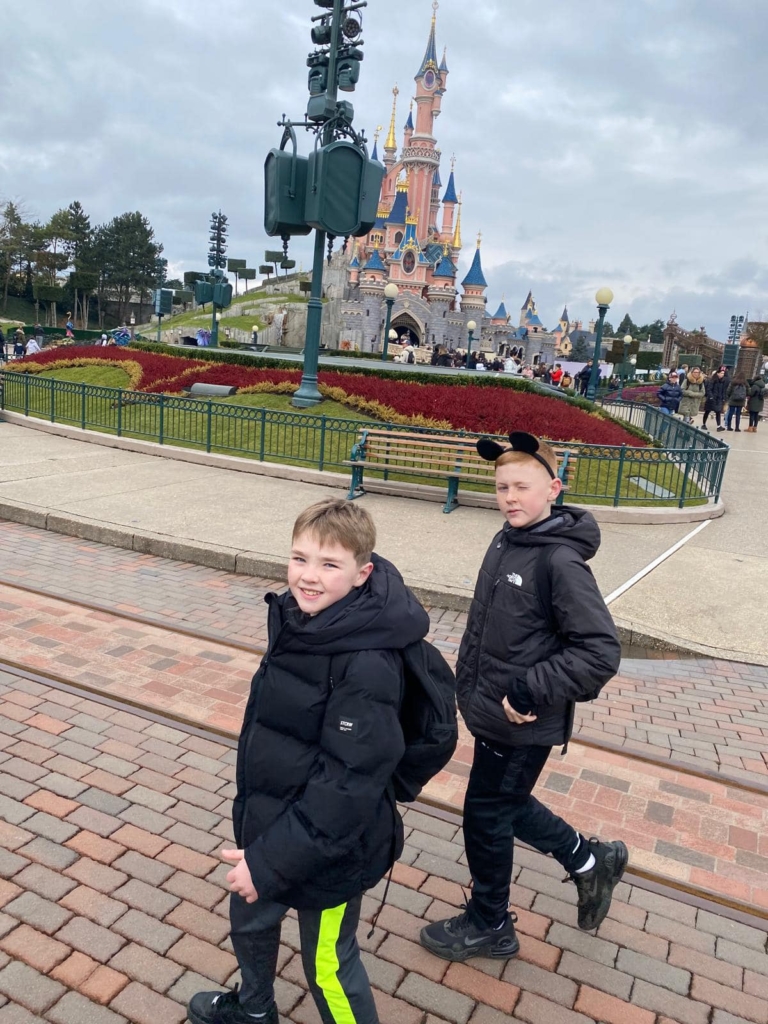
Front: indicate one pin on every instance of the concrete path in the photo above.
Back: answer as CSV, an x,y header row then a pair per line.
x,y
114,899
248,513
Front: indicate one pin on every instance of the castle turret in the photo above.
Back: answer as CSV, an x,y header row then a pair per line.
x,y
372,278
420,155
408,128
450,202
456,240
474,285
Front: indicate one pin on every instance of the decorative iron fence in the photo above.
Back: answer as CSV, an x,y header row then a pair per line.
x,y
685,470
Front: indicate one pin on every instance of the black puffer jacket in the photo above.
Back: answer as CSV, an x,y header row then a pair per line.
x,y
509,635
314,810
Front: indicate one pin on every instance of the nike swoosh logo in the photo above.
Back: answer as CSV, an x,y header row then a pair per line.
x,y
475,942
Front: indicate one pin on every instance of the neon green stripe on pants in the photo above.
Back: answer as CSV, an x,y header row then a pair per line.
x,y
327,965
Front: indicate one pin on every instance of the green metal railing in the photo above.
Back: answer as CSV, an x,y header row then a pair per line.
x,y
685,470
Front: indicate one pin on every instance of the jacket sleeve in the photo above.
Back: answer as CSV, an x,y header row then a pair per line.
x,y
361,744
591,651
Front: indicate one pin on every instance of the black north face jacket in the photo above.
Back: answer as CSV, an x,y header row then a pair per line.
x,y
510,634
314,811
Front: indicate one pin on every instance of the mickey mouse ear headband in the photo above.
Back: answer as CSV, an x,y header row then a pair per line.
x,y
520,442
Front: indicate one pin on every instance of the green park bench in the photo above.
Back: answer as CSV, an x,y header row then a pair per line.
x,y
433,457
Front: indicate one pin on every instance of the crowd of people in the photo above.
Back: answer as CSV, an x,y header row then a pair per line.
x,y
726,398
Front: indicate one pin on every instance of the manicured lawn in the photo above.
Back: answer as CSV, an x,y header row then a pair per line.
x,y
246,425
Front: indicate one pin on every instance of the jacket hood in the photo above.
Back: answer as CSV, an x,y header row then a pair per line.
x,y
568,525
383,614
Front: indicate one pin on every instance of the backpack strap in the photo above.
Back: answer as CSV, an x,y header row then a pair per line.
x,y
543,578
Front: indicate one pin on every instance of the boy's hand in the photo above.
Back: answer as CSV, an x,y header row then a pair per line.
x,y
514,716
239,877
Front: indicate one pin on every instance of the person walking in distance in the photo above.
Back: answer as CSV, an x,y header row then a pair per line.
x,y
736,397
693,389
669,394
538,638
755,402
716,389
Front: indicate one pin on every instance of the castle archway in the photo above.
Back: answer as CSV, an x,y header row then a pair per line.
x,y
407,324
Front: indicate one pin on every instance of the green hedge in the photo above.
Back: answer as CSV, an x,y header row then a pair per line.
x,y
217,355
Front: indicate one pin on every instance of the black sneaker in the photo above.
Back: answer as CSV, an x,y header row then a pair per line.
x,y
462,937
595,887
224,1008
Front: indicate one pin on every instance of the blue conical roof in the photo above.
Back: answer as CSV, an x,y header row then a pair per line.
x,y
375,153
450,191
501,313
409,122
475,277
443,63
430,54
445,267
436,183
399,209
374,263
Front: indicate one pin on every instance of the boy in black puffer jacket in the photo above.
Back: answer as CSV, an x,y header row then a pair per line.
x,y
315,819
538,638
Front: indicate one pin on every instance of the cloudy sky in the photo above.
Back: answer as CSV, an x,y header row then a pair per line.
x,y
597,141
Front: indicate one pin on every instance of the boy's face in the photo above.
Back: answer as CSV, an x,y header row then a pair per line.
x,y
525,492
319,575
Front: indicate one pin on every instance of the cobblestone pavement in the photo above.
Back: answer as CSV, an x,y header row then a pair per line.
x,y
707,713
114,905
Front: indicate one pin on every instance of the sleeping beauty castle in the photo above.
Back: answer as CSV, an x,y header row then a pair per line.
x,y
416,241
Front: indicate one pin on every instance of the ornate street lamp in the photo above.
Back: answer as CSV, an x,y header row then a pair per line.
x,y
627,342
471,327
603,298
391,291
133,325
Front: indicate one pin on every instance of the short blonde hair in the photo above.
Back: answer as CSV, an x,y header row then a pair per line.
x,y
545,451
340,522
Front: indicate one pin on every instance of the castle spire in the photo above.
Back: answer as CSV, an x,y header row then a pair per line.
x,y
430,54
457,231
376,134
391,142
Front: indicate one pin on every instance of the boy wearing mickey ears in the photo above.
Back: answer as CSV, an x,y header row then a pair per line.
x,y
539,637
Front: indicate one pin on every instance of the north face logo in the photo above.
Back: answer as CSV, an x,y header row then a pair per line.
x,y
516,580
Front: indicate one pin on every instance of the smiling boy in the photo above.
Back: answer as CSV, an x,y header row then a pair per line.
x,y
315,819
538,638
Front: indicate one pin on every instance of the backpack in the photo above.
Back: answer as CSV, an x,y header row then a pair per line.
x,y
739,392
427,718
543,578
411,357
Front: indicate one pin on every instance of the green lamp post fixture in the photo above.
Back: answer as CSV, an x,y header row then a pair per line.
x,y
335,190
627,342
391,291
603,298
632,365
471,327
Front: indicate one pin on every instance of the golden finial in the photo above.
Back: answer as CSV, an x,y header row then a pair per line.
x,y
391,142
377,133
435,6
453,162
445,249
457,231
479,238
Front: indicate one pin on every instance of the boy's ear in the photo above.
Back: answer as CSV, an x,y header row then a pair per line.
x,y
555,488
363,573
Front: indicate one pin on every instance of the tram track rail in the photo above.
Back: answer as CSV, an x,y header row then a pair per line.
x,y
631,752
688,893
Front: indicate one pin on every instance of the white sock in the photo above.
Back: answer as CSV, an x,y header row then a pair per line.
x,y
588,866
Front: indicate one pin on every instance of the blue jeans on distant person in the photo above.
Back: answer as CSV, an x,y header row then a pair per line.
x,y
733,410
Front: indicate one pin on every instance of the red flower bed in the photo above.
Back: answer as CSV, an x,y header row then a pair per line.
x,y
480,409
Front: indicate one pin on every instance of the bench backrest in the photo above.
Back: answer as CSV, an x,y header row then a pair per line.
x,y
445,454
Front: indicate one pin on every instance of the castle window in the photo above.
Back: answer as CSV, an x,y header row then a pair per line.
x,y
367,312
398,237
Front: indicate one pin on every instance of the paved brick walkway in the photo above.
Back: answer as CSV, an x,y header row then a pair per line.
x,y
114,907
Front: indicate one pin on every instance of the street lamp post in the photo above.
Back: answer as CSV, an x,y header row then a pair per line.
x,y
133,325
633,364
627,343
603,298
215,328
391,291
471,327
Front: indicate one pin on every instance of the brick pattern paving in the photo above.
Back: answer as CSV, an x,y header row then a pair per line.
x,y
113,904
710,714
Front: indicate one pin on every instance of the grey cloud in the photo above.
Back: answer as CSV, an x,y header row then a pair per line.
x,y
597,142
